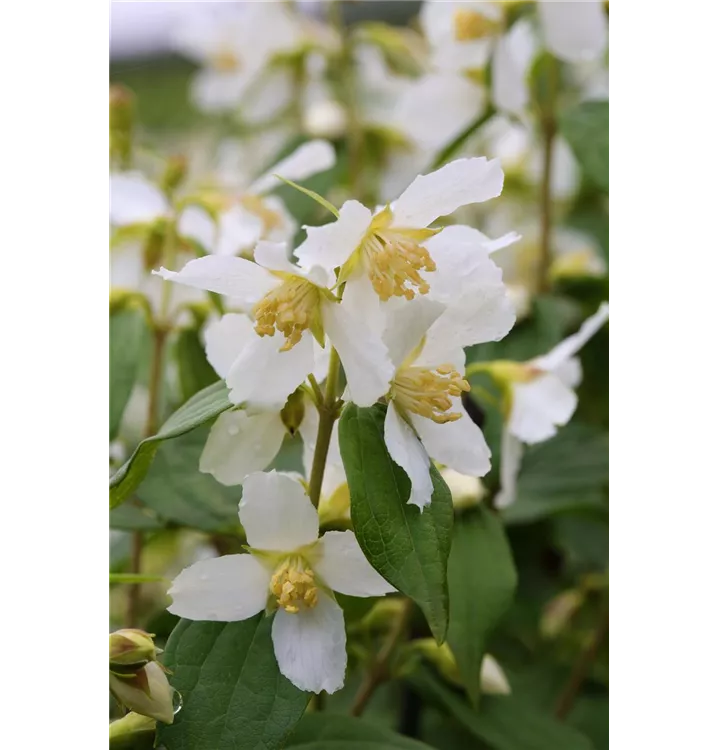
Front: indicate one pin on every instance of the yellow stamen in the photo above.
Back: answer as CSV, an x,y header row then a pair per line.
x,y
470,25
291,309
225,61
293,585
270,219
428,393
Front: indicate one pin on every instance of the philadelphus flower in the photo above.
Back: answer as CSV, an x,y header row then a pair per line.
x,y
234,44
289,569
246,440
541,398
575,31
296,304
425,337
138,205
253,215
384,255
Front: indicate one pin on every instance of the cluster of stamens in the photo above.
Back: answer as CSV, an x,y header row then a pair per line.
x,y
470,25
289,309
293,585
393,263
270,219
428,393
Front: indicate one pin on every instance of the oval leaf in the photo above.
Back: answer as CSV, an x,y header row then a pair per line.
x,y
585,127
233,694
195,372
409,548
202,407
480,600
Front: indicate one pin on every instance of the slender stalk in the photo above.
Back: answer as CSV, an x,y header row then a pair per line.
x,y
581,668
379,671
327,417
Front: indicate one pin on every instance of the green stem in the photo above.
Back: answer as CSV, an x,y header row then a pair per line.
x,y
548,131
327,417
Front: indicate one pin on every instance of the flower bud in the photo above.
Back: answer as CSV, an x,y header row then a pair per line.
x,y
559,611
466,491
383,614
145,691
174,174
493,679
122,118
131,646
132,732
292,413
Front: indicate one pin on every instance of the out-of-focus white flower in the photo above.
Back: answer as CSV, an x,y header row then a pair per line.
x,y
290,569
511,63
234,44
287,299
574,31
542,398
322,115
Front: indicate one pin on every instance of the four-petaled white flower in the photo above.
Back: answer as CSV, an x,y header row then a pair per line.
x,y
289,569
542,398
386,254
426,337
298,305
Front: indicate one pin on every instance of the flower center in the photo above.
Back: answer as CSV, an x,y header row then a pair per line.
x,y
393,260
470,25
294,587
428,393
290,308
225,61
270,219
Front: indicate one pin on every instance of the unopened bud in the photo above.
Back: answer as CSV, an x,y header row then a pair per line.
x,y
154,245
470,25
505,371
146,692
174,174
132,732
383,614
292,413
493,679
466,491
559,611
131,646
122,119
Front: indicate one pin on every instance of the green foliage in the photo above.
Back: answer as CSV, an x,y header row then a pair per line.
x,y
195,372
585,127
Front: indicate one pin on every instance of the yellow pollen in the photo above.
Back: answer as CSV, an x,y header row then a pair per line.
x,y
428,393
291,309
225,61
270,219
294,587
470,25
393,262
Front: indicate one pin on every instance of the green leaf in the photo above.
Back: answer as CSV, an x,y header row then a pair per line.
x,y
408,547
177,491
132,517
568,473
339,732
195,372
202,407
482,584
128,338
502,722
311,194
233,695
585,127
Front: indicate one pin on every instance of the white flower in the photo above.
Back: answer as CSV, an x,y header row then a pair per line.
x,y
574,31
425,417
512,60
291,569
288,300
542,399
253,215
385,254
246,440
234,44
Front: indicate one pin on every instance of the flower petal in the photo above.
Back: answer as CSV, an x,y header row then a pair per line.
x,y
407,324
225,340
264,376
310,646
135,200
440,193
240,443
363,354
330,246
196,224
344,567
408,452
310,158
234,277
274,256
224,589
569,346
511,453
575,31
276,512
239,231
539,406
512,58
460,445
